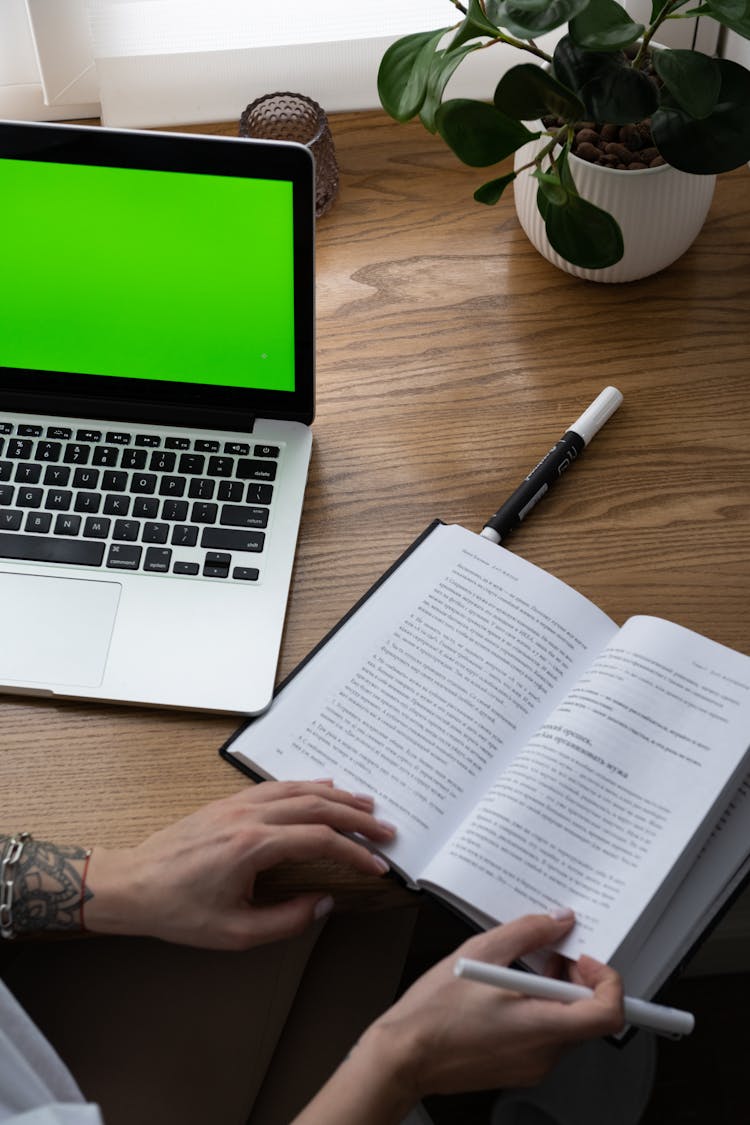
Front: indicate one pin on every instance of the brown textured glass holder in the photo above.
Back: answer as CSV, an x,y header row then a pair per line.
x,y
295,117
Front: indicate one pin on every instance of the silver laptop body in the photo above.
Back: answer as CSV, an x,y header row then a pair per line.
x,y
156,395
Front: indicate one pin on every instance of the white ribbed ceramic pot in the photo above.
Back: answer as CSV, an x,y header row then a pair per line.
x,y
660,212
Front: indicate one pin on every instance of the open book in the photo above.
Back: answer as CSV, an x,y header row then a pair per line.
x,y
531,753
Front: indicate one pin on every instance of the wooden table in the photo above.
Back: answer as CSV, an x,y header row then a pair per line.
x,y
450,357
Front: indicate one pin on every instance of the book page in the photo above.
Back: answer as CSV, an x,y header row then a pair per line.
x,y
603,808
442,672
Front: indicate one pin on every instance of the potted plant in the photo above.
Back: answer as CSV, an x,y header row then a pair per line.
x,y
606,86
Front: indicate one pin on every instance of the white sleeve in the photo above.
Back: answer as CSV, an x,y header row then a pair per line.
x,y
58,1114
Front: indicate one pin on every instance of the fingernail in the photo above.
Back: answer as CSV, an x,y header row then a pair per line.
x,y
381,863
364,799
562,914
322,907
389,828
323,781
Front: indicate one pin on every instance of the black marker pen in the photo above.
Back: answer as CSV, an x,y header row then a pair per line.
x,y
552,466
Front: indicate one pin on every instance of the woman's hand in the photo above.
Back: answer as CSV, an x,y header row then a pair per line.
x,y
447,1034
193,882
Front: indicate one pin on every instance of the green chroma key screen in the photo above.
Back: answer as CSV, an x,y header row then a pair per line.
x,y
147,275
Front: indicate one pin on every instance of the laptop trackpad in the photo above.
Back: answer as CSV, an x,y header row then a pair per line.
x,y
55,630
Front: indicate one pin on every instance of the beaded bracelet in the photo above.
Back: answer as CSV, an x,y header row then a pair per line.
x,y
13,853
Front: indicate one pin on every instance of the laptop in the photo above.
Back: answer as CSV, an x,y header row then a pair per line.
x,y
156,396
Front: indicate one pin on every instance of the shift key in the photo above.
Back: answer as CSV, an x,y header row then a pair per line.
x,y
224,539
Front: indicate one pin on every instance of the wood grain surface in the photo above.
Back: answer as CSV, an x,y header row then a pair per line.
x,y
450,357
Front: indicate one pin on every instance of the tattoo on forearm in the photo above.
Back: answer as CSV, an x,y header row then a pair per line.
x,y
47,887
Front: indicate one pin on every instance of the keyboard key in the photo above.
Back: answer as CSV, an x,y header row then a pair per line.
x,y
173,486
10,520
96,528
143,483
150,440
235,515
116,505
232,540
216,565
231,490
58,500
86,478
174,510
126,530
236,448
246,573
59,433
48,450
30,431
89,435
155,532
37,548
259,493
30,497
124,556
220,466
38,522
255,470
162,462
185,568
183,535
202,489
88,502
105,455
191,465
266,451
5,470
67,525
177,443
158,559
76,454
207,446
6,427
145,508
7,492
19,450
57,475
27,474
114,482
133,459
115,437
204,513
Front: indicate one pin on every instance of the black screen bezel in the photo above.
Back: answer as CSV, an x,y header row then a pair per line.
x,y
155,400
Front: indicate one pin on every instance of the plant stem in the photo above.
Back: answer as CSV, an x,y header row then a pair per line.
x,y
650,31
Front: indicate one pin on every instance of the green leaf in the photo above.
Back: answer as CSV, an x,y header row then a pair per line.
x,y
731,13
490,192
403,71
604,26
575,67
693,79
527,92
657,7
550,188
619,95
475,24
527,23
443,66
583,234
478,133
712,144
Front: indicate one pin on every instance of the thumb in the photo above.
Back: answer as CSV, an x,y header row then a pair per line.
x,y
262,924
506,943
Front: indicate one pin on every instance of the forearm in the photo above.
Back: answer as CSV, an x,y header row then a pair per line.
x,y
372,1086
43,888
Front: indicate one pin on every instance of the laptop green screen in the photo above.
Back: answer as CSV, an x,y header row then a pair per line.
x,y
141,274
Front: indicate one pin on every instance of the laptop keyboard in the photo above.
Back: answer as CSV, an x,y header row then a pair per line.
x,y
133,501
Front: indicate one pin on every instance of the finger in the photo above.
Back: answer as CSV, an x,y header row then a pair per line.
x,y
315,808
304,843
515,939
258,925
271,791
